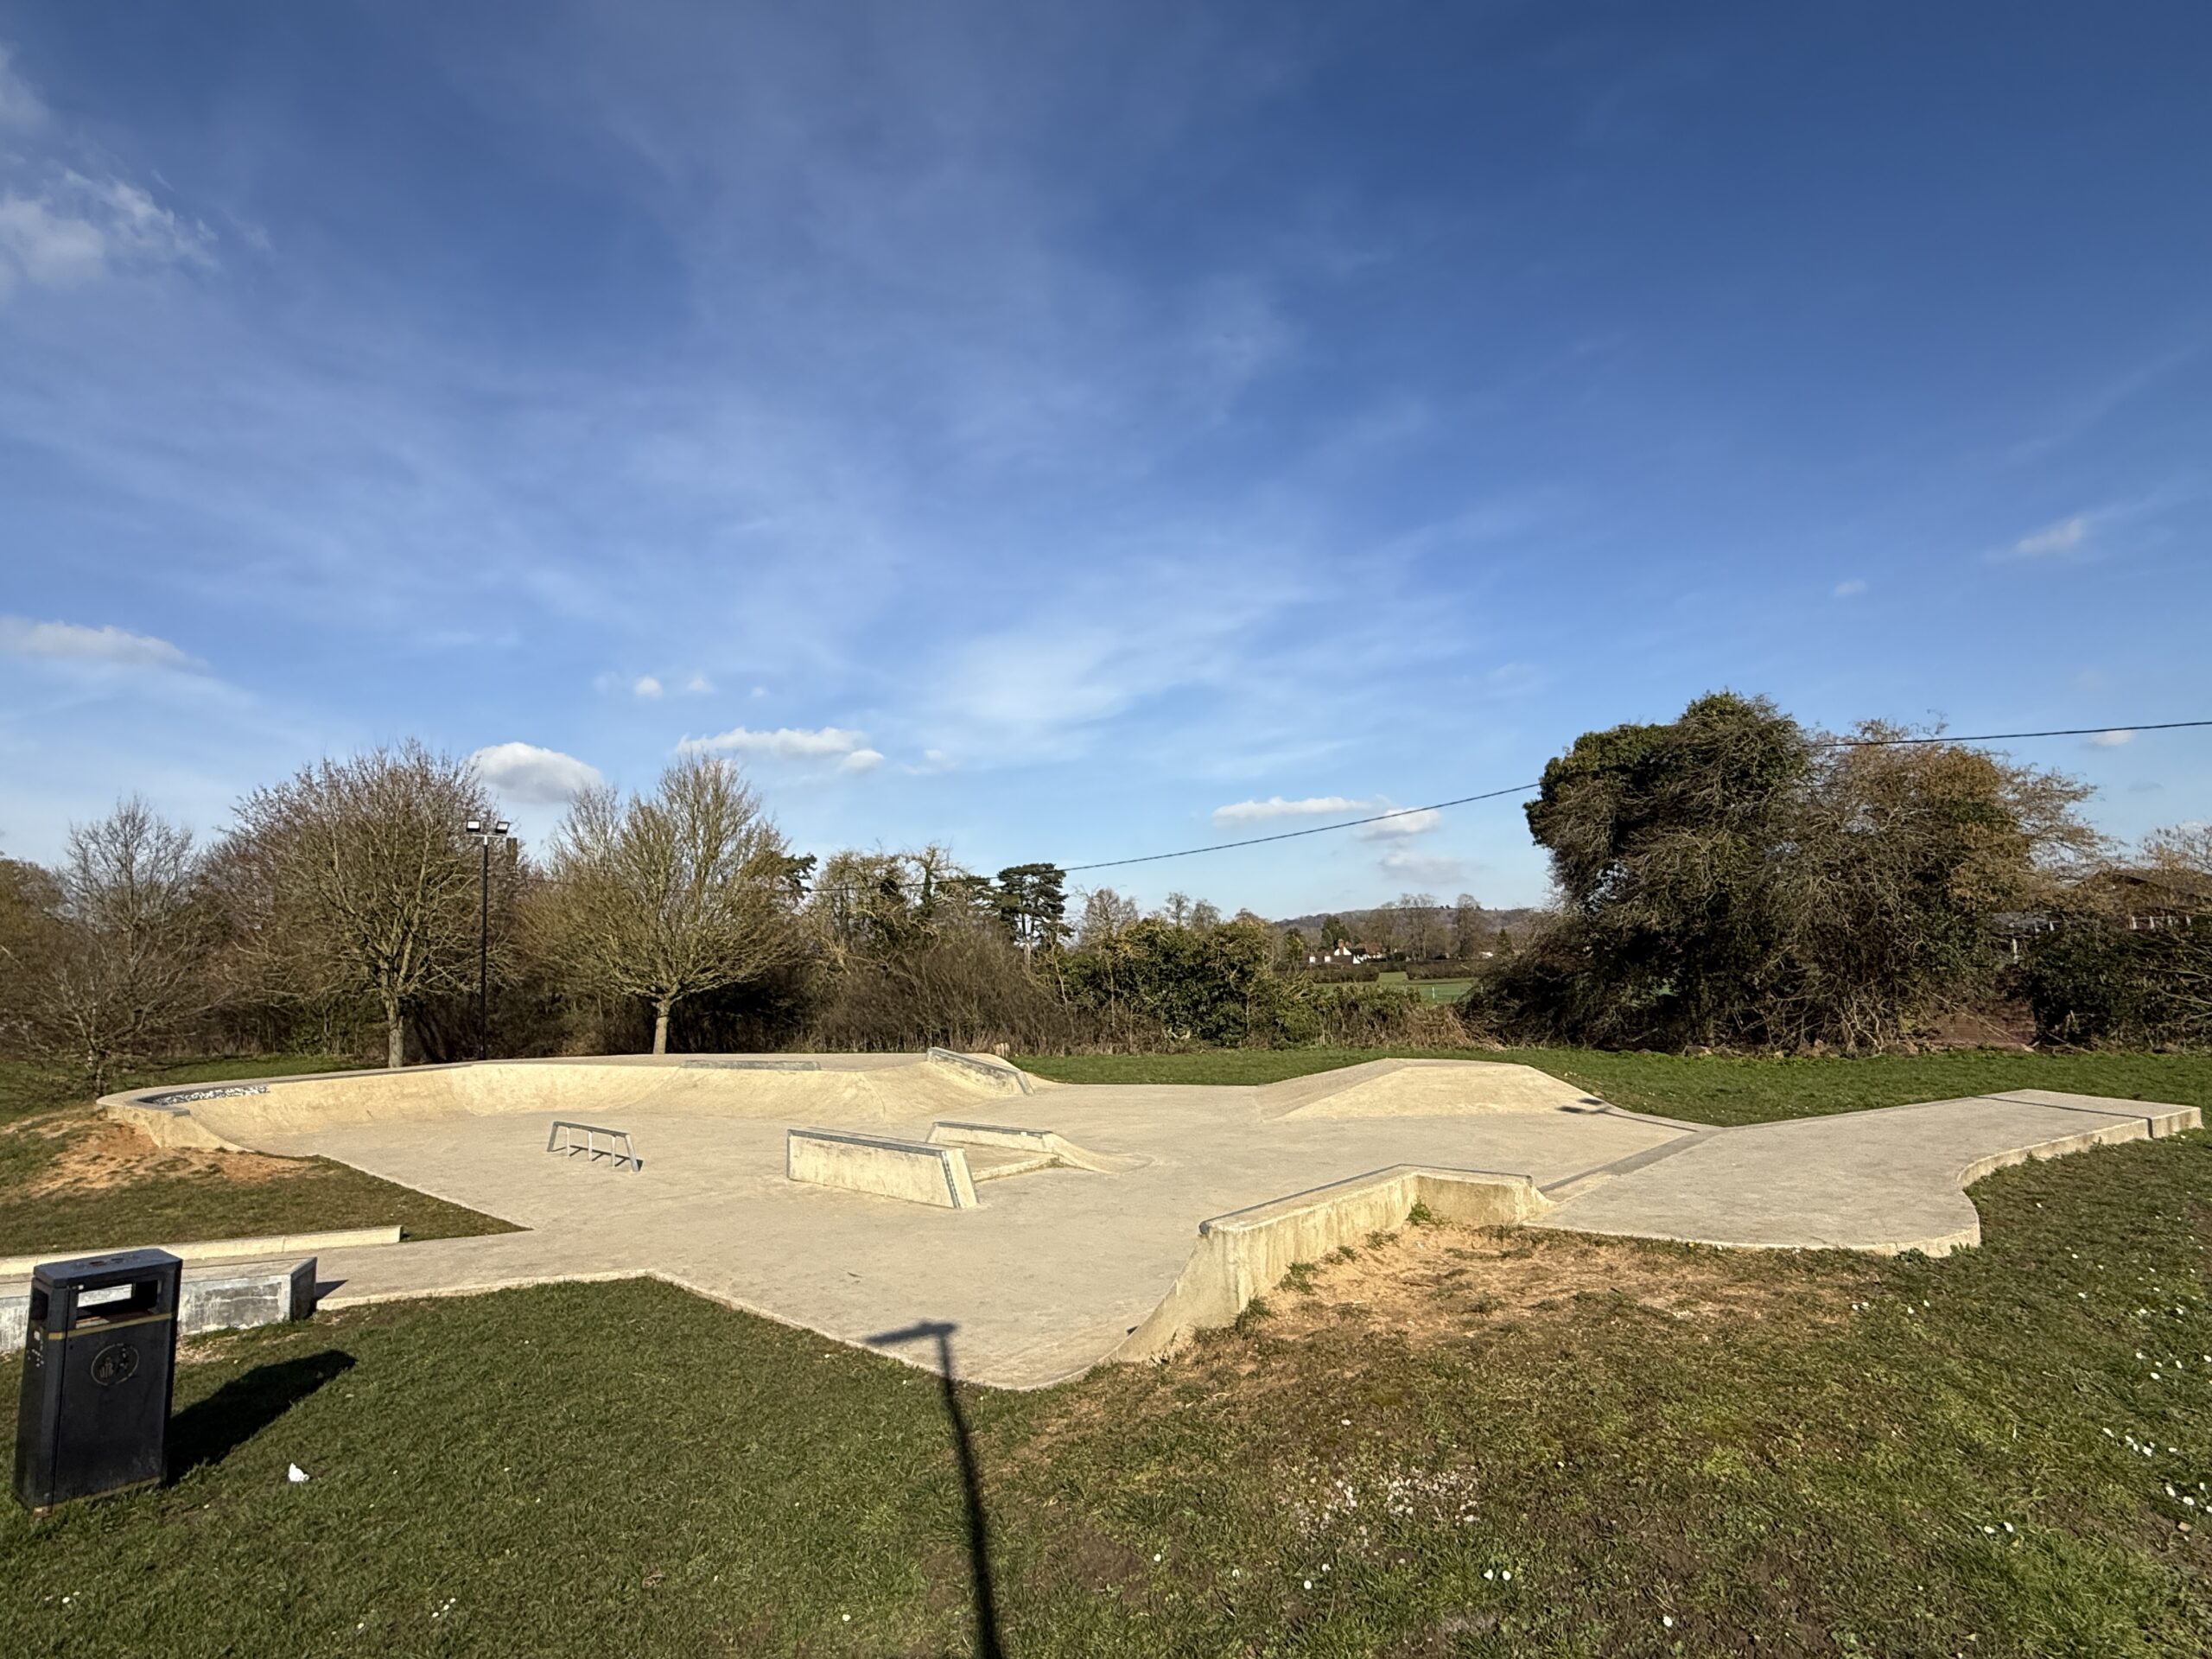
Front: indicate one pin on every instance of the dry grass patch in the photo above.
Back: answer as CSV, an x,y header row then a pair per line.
x,y
98,1157
1435,1282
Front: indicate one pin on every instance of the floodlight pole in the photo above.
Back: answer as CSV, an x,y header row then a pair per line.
x,y
484,839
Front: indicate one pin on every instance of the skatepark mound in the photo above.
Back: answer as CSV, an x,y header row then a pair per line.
x,y
266,1115
1423,1089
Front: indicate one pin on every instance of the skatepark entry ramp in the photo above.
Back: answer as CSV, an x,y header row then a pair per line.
x,y
1044,1149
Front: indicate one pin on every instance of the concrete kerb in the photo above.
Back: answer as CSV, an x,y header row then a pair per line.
x,y
1246,1253
260,1249
912,1170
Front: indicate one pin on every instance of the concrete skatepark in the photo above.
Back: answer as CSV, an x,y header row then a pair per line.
x,y
1055,1226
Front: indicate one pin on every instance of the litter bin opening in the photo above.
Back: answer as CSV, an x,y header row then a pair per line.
x,y
107,1303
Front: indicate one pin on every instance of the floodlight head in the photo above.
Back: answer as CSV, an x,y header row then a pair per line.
x,y
500,828
474,826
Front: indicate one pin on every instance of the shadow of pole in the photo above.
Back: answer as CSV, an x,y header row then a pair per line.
x,y
988,1642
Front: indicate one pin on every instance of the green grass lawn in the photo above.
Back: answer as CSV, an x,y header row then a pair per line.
x,y
1830,1455
45,1116
1703,1088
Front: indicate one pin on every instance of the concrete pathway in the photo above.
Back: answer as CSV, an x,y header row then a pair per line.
x,y
1885,1181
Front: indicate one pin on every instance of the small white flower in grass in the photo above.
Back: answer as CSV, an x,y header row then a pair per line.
x,y
1667,1619
1507,1575
294,1473
1309,1584
1156,1555
1489,1573
2008,1526
846,1618
1347,1422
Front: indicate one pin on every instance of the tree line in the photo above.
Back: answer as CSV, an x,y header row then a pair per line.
x,y
1729,879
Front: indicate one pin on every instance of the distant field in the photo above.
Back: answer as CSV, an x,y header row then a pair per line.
x,y
1432,991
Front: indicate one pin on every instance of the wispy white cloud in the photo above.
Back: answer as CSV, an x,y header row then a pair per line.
x,y
22,110
73,229
2112,740
848,748
1851,587
20,637
697,686
525,772
2067,535
1311,806
1403,867
1403,826
645,686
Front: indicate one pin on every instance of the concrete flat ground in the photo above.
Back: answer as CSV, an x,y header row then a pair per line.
x,y
1057,1265
1042,1281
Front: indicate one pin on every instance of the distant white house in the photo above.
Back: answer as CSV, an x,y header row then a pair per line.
x,y
1345,953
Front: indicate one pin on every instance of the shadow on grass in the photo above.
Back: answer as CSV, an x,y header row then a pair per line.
x,y
210,1431
988,1642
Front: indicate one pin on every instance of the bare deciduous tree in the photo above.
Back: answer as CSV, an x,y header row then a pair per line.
x,y
114,970
1105,913
668,895
1471,929
354,879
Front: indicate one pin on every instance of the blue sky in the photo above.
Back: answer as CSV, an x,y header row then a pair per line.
x,y
1064,432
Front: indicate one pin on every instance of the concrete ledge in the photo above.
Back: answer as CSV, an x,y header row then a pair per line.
x,y
1008,1077
233,1249
229,1296
912,1170
1246,1253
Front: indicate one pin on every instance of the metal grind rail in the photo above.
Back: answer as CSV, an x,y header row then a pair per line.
x,y
617,1151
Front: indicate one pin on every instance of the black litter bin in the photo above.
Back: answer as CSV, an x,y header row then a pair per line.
x,y
99,1356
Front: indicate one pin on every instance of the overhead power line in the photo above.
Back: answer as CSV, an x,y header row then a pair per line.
x,y
1315,830
1524,789
2002,737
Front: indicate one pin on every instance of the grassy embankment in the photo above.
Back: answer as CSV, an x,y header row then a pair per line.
x,y
71,1182
1454,1442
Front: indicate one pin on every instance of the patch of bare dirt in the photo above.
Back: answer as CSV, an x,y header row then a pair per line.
x,y
98,1155
2011,1026
1431,1283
